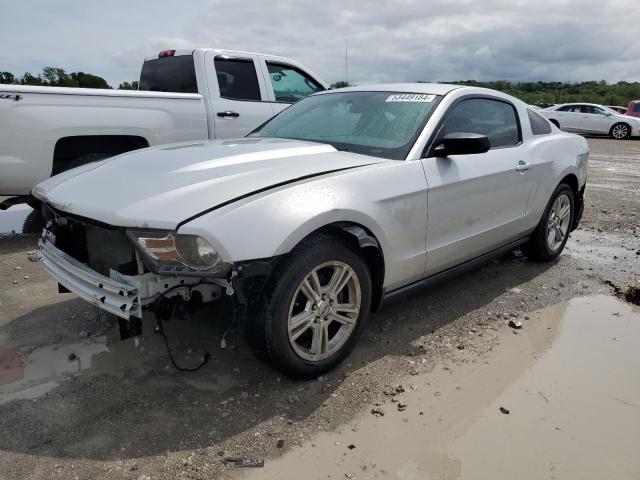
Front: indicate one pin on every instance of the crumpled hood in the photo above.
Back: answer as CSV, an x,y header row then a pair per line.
x,y
162,186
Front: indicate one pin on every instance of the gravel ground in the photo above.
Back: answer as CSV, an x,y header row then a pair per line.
x,y
120,411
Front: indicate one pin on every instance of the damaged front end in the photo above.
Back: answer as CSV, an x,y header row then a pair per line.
x,y
125,271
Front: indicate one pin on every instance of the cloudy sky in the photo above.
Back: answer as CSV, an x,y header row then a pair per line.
x,y
401,40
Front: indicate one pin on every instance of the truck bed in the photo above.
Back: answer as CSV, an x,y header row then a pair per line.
x,y
38,123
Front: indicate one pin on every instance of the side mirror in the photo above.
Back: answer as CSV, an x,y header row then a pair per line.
x,y
462,144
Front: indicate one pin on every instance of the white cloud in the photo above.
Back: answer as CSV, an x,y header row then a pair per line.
x,y
402,40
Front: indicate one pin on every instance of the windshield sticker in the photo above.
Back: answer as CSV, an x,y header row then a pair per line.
x,y
410,97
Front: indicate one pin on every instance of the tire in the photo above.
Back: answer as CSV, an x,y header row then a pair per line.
x,y
303,351
620,131
540,247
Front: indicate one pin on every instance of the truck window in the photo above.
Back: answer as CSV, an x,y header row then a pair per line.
x,y
169,74
237,79
290,84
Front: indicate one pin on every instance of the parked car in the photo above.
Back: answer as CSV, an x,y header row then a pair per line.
x,y
342,201
620,110
592,118
634,108
190,95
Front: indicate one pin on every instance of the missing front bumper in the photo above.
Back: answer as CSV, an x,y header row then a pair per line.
x,y
115,297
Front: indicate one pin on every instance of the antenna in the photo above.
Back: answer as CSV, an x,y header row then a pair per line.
x,y
346,61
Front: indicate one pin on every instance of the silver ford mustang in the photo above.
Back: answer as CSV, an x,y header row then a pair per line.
x,y
340,202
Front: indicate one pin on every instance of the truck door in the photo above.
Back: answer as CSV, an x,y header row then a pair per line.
x,y
287,83
239,98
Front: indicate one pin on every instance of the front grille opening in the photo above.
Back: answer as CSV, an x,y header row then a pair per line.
x,y
101,248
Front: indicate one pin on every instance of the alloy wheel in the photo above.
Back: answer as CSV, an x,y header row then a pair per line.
x,y
558,222
620,131
324,311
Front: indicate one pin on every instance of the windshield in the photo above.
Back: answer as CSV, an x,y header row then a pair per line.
x,y
381,124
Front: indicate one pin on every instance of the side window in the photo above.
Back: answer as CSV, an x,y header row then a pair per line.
x,y
290,84
598,110
539,125
237,79
636,107
493,118
570,108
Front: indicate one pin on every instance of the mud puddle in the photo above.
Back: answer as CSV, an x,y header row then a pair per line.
x,y
20,219
33,375
559,399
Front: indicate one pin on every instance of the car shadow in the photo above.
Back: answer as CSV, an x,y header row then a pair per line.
x,y
115,399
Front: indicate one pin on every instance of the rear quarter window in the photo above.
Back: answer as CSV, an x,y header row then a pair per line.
x,y
169,74
539,125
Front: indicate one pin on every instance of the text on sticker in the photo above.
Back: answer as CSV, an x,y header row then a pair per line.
x,y
410,97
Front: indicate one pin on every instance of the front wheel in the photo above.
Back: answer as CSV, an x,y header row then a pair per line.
x,y
551,234
313,309
620,131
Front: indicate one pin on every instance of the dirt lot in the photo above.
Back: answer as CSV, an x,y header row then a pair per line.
x,y
118,410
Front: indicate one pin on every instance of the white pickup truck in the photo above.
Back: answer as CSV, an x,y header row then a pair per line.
x,y
185,95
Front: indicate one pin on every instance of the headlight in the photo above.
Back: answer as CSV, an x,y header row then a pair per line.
x,y
176,253
196,251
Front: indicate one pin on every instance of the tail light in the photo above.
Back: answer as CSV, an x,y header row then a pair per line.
x,y
167,53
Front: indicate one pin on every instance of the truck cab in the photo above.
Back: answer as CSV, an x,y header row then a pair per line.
x,y
241,90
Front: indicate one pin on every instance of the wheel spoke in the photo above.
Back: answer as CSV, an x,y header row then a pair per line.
x,y
551,238
320,341
559,233
338,272
301,323
345,308
343,319
315,282
337,288
564,212
309,292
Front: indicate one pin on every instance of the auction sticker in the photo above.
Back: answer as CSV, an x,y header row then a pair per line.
x,y
410,97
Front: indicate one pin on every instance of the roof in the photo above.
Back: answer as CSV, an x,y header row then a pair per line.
x,y
432,88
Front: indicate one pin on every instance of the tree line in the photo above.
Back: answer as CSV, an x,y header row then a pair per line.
x,y
534,93
58,77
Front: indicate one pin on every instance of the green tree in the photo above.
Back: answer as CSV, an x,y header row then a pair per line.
x,y
28,79
8,78
87,80
340,84
128,86
57,77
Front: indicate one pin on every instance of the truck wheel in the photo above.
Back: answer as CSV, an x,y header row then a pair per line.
x,y
552,233
313,309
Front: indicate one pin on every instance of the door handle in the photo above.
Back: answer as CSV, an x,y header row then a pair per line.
x,y
228,114
523,167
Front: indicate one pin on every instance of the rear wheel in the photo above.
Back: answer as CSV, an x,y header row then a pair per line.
x,y
313,309
551,234
620,131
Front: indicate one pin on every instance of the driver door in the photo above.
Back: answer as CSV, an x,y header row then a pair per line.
x,y
477,203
